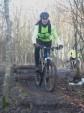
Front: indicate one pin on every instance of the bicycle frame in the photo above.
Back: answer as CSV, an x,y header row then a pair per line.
x,y
44,60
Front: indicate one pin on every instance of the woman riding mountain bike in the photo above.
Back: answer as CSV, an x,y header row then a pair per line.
x,y
44,33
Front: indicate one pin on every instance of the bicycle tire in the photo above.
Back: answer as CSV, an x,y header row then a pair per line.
x,y
39,75
37,79
50,74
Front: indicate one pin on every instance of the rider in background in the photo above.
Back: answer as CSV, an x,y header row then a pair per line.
x,y
76,64
44,33
72,57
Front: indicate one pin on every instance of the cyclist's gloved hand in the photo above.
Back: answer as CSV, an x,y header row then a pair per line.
x,y
36,45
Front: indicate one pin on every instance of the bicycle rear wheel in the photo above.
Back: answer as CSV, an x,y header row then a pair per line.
x,y
50,73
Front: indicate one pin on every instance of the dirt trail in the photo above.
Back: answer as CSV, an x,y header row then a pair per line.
x,y
25,97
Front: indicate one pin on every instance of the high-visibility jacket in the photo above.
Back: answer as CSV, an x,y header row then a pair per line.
x,y
72,53
44,35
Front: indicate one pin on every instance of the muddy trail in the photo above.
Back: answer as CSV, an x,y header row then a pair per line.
x,y
25,97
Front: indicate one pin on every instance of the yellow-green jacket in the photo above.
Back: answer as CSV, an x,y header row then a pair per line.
x,y
72,53
44,35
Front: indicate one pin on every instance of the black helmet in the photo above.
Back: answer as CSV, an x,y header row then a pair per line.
x,y
44,15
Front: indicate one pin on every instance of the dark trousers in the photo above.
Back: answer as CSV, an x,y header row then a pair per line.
x,y
37,50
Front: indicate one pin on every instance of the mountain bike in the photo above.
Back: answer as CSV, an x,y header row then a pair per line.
x,y
47,68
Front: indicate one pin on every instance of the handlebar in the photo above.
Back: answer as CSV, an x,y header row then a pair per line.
x,y
59,47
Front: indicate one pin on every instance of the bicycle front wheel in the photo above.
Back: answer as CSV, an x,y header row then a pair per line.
x,y
50,73
38,79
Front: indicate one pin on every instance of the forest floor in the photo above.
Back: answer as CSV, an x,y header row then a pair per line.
x,y
25,97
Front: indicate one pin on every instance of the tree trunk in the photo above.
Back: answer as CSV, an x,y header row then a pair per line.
x,y
8,55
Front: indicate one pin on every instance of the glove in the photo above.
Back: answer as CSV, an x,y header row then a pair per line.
x,y
36,45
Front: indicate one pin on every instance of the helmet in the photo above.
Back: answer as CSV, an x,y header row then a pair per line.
x,y
44,15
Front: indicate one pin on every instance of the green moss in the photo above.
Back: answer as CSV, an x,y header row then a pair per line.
x,y
5,102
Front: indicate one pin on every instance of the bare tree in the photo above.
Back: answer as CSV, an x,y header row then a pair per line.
x,y
77,12
78,23
8,54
